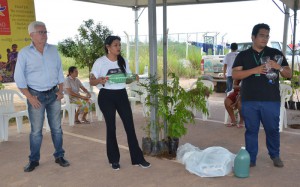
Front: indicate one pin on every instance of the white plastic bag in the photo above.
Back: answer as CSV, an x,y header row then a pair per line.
x,y
184,150
210,162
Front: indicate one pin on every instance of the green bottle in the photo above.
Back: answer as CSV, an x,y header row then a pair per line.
x,y
121,78
242,163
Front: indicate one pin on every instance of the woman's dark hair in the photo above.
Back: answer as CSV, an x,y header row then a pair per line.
x,y
121,61
71,70
259,26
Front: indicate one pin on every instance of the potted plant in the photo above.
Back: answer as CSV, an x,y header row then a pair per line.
x,y
294,83
174,104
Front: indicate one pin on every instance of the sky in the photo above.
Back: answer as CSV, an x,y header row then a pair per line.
x,y
231,21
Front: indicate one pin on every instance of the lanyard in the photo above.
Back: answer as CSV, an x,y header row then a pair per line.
x,y
257,61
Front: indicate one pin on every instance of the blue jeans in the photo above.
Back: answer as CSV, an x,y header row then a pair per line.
x,y
267,113
36,116
229,83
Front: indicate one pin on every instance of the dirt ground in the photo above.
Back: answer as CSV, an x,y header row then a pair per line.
x,y
85,147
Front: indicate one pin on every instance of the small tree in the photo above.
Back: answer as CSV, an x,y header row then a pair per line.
x,y
88,45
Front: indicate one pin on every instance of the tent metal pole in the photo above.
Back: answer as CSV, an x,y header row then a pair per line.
x,y
296,2
285,29
153,65
136,23
165,58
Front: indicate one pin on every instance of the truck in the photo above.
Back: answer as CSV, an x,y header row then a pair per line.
x,y
278,45
213,64
212,69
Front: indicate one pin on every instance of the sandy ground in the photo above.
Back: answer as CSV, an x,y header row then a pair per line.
x,y
85,147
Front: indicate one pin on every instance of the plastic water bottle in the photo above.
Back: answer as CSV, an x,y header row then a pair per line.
x,y
242,163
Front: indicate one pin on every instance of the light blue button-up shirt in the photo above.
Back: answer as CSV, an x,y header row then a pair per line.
x,y
38,71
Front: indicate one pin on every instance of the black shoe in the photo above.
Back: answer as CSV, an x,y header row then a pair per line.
x,y
252,164
144,164
31,166
115,166
277,162
62,162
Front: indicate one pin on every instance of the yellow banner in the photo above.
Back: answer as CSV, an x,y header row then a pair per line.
x,y
15,15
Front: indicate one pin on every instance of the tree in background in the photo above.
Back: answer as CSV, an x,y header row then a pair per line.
x,y
88,44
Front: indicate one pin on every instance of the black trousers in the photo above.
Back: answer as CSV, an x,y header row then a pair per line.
x,y
109,102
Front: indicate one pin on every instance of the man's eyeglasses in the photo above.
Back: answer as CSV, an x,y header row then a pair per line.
x,y
41,32
263,36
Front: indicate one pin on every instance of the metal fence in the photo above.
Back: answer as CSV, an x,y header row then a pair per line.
x,y
213,38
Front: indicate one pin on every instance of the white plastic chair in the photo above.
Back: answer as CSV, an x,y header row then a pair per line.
x,y
285,95
7,111
143,96
210,85
133,96
65,106
94,98
70,108
226,118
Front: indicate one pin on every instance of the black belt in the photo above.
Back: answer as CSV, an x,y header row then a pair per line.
x,y
47,91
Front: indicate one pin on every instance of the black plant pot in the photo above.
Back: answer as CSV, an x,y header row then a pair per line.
x,y
155,149
173,145
163,147
146,145
298,105
292,105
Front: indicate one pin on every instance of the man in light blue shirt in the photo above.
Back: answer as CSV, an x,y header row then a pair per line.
x,y
40,78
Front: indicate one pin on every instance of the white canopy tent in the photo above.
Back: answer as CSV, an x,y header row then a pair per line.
x,y
292,4
151,4
145,3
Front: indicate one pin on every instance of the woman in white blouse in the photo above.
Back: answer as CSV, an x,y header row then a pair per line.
x,y
113,98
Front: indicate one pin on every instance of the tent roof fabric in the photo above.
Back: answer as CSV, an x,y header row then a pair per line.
x,y
144,3
291,4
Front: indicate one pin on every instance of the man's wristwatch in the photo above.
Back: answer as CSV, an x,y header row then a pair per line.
x,y
281,69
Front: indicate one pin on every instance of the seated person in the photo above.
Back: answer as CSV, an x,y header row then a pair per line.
x,y
233,102
72,86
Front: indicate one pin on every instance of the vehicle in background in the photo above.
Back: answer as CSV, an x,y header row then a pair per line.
x,y
212,65
212,69
278,45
